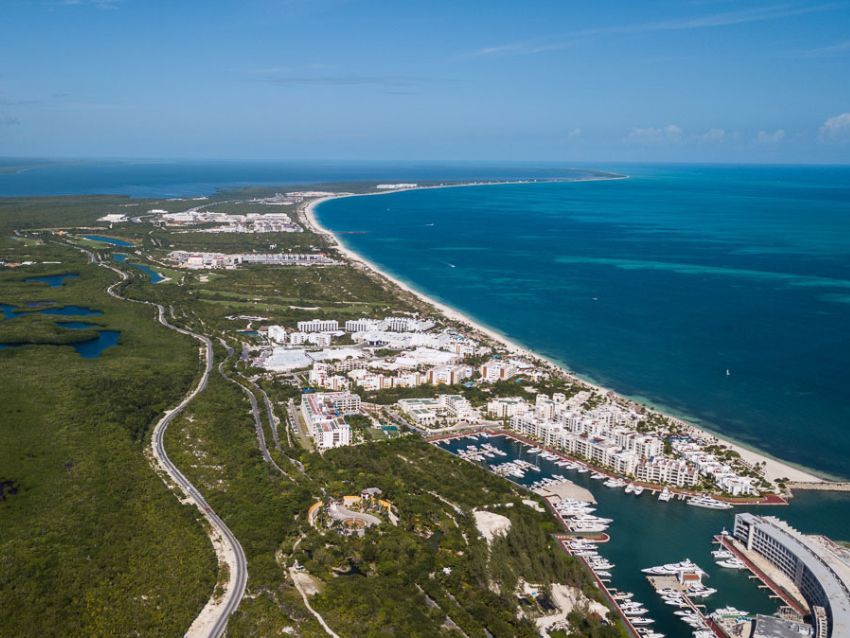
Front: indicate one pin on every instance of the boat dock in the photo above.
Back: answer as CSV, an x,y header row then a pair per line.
x,y
609,593
660,583
779,592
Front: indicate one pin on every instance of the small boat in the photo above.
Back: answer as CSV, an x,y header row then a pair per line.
x,y
665,495
637,490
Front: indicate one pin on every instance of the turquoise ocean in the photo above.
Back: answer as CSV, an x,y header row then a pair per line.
x,y
654,286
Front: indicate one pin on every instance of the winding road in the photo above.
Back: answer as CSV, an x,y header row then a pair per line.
x,y
255,411
212,621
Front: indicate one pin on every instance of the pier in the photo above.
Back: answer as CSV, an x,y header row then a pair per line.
x,y
823,486
778,590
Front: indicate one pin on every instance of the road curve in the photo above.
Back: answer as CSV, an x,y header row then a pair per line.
x,y
234,554
255,411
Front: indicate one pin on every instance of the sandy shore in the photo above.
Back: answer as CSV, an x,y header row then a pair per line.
x,y
773,468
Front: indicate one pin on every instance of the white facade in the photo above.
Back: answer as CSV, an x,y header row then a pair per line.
x,y
318,325
277,334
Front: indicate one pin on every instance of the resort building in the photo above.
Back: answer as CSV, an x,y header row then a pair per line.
x,y
318,325
497,371
817,567
277,334
448,407
325,412
450,375
208,261
667,471
506,407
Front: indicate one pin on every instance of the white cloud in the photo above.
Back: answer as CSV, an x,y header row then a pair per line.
x,y
559,41
836,129
839,48
713,135
664,135
766,137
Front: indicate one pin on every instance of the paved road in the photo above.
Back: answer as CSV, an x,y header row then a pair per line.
x,y
255,410
238,564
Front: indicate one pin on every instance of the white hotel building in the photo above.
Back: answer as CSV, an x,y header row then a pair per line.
x,y
324,414
318,325
818,568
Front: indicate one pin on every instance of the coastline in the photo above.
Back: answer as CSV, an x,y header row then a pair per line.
x,y
773,468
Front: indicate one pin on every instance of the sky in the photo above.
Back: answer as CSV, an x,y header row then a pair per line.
x,y
681,81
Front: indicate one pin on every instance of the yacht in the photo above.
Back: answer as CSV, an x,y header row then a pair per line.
x,y
709,503
732,563
637,490
630,488
671,569
665,495
614,482
641,621
729,612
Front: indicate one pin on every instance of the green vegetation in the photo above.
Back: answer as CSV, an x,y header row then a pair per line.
x,y
91,540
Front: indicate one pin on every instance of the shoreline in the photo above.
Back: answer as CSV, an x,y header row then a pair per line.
x,y
773,469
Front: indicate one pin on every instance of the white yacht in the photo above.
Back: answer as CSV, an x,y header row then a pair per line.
x,y
708,503
665,495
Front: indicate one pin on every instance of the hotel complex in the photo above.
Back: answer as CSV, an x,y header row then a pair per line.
x,y
817,567
325,414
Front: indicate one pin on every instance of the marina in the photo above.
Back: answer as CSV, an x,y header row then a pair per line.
x,y
656,529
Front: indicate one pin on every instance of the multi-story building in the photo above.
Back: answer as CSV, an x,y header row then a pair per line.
x,y
277,334
676,472
324,413
318,325
497,371
818,568
298,338
506,407
450,375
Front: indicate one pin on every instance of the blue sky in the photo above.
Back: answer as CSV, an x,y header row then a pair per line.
x,y
687,80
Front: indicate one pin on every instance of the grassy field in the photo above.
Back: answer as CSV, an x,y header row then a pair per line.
x,y
91,541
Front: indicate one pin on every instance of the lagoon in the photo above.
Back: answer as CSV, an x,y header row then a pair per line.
x,y
153,276
109,240
53,281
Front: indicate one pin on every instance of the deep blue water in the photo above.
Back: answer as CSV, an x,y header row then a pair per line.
x,y
71,310
90,349
54,281
153,276
109,240
93,348
163,178
10,312
646,532
653,286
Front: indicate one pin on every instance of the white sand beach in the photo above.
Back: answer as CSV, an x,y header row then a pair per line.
x,y
773,468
